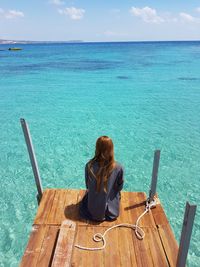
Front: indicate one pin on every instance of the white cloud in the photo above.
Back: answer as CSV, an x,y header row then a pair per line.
x,y
73,12
198,9
57,2
11,14
147,14
185,17
14,14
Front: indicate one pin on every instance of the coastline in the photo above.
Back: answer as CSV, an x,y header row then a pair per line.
x,y
12,42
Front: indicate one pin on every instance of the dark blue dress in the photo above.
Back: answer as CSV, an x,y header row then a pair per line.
x,y
100,206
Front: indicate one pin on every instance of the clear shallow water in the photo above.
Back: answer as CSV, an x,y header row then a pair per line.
x,y
144,95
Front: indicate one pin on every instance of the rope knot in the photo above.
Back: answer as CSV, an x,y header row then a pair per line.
x,y
98,237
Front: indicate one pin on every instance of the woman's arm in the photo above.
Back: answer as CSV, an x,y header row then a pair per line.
x,y
119,180
86,176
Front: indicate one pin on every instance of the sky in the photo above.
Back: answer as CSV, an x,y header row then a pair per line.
x,y
102,20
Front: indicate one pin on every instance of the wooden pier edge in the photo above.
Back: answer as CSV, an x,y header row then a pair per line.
x,y
57,227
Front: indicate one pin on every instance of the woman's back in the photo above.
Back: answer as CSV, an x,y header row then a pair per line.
x,y
104,204
104,180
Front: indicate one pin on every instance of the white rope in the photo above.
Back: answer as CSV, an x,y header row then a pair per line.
x,y
140,234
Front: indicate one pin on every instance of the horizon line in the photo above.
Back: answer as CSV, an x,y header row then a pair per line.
x,y
82,41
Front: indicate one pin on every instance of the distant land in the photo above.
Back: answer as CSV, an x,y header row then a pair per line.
x,y
2,41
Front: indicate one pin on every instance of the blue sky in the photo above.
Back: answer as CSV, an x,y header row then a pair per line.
x,y
105,20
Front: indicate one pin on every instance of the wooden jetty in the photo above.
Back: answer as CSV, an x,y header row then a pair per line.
x,y
58,227
52,238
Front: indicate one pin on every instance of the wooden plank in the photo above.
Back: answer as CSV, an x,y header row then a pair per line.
x,y
111,253
159,215
156,248
45,206
142,252
79,257
63,252
48,246
71,211
56,214
126,249
169,243
33,248
134,207
85,238
147,220
123,216
94,258
132,251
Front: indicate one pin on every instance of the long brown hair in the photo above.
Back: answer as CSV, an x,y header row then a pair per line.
x,y
104,156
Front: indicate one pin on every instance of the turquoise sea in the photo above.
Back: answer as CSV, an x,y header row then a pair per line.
x,y
143,95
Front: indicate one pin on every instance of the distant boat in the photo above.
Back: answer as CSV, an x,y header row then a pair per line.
x,y
14,48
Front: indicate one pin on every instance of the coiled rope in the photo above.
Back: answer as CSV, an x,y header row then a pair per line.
x,y
140,234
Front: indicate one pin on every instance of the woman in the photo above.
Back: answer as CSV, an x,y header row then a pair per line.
x,y
104,181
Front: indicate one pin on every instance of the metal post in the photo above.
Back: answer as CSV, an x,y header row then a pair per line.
x,y
32,157
152,191
186,233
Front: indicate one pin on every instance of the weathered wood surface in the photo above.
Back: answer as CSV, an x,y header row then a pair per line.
x,y
64,247
51,244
